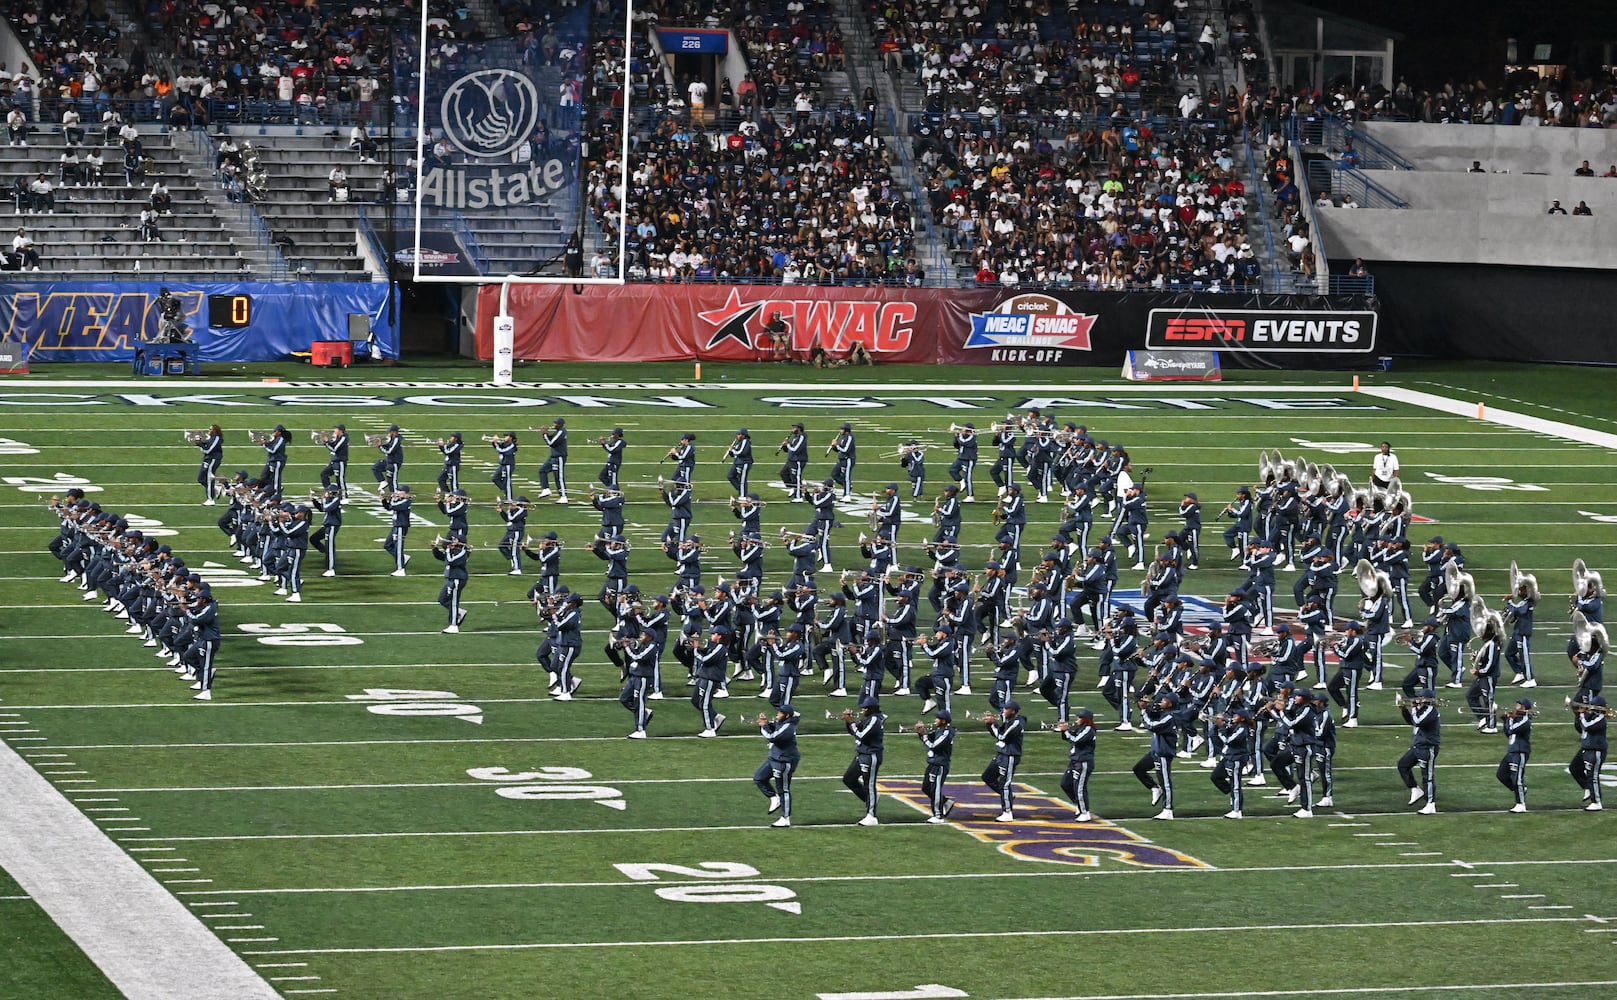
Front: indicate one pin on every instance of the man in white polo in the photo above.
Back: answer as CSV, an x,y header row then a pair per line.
x,y
1384,468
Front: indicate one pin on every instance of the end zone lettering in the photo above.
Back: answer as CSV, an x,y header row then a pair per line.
x,y
1312,331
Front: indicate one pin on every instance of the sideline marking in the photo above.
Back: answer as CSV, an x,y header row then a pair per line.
x,y
1339,991
141,937
939,936
1508,418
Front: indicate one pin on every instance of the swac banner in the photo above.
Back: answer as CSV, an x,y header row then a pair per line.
x,y
915,325
232,321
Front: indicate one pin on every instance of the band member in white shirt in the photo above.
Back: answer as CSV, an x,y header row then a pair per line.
x,y
1384,467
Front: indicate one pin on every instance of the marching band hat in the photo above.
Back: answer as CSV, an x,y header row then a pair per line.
x,y
454,437
341,427
1431,620
799,426
1597,701
694,538
718,630
1424,693
510,434
1355,625
558,422
1184,658
971,427
869,701
951,488
1191,496
1084,713
892,486
1319,697
617,430
1172,534
1013,706
752,496
632,589
522,499
741,432
688,436
943,715
393,428
991,564
827,482
847,427
550,536
1171,698
661,598
164,550
1526,703
785,708
404,489
1435,540
798,629
1238,594
697,588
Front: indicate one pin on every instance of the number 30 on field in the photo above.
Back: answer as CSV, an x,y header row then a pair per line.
x,y
301,634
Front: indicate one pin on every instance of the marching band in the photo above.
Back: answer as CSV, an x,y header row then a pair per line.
x,y
1237,703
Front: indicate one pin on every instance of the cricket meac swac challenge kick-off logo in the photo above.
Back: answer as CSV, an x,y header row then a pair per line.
x,y
1030,328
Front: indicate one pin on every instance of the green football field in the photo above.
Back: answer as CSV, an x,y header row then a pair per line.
x,y
371,808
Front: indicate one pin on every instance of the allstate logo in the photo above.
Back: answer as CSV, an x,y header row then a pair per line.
x,y
490,112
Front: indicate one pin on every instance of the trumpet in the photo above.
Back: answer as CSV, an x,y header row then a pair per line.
x,y
1401,701
787,533
1605,710
1513,712
616,541
441,541
605,494
738,501
319,436
490,438
989,718
1054,727
762,720
846,715
196,437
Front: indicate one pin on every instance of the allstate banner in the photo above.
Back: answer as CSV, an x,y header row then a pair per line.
x,y
258,321
924,325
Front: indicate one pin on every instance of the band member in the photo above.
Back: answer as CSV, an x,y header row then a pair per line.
x,y
677,495
964,466
1384,467
399,503
201,615
1235,738
1352,657
774,777
641,652
946,515
1239,511
505,471
449,475
1421,712
708,667
939,743
1012,513
455,506
294,531
1007,730
567,621
386,469
515,515
454,554
888,512
1424,645
1512,773
795,448
824,500
936,686
1519,608
336,471
1454,612
1134,519
1155,769
867,729
1590,659
740,455
1589,721
610,505
1080,736
912,458
212,445
1190,535
1588,599
1058,650
683,454
556,462
1120,662
548,556
830,651
1302,746
1485,672
324,539
1003,471
899,626
274,458
614,446
847,454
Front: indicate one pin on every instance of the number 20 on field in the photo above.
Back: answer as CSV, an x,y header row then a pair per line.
x,y
777,896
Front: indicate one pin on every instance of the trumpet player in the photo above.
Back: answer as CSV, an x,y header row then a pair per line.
x,y
1058,651
548,556
936,686
555,463
1324,748
613,445
749,552
1519,613
899,626
886,512
505,459
795,448
274,445
846,450
454,505
1512,773
1235,736
1421,712
1190,510
1003,471
566,623
386,468
774,777
805,548
1080,736
1352,657
610,506
938,741
294,532
1007,729
324,539
748,509
398,503
515,516
739,454
830,652
867,729
1424,645
824,501
1239,511
1154,770
683,454
1485,672
211,443
641,653
336,471
454,553
964,467
687,559
1589,722
449,474
709,664
912,459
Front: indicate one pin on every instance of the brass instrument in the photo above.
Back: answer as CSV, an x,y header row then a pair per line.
x,y
762,720
197,437
738,501
320,437
1406,636
875,517
1054,727
491,438
1605,710
989,718
374,440
1401,702
617,541
605,494
999,513
601,440
846,715
1514,712
260,437
786,533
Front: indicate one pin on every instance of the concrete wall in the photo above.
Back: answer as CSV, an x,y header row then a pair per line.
x,y
1501,194
1516,149
1471,237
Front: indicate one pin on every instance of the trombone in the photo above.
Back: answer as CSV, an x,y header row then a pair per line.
x,y
1401,702
440,541
1579,706
736,502
607,494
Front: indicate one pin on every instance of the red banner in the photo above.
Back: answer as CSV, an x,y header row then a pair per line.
x,y
915,325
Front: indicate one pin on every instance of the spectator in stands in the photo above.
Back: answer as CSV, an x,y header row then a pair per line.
x,y
1476,168
1324,201
68,168
1206,41
94,167
1584,171
134,166
1556,209
148,226
360,139
112,123
72,127
44,195
1358,270
20,196
22,248
17,127
1348,202
160,200
337,184
1611,171
1582,208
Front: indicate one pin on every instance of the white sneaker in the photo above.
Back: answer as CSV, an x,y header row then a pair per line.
x,y
1005,817
1408,623
1210,762
1519,807
1415,795
397,572
928,705
1304,814
564,696
1327,802
562,498
329,572
294,599
1156,795
1123,727
1256,781
722,693
544,492
1453,684
1531,682
706,734
1164,814
1184,754
514,572
936,819
203,695
91,596
451,629
1515,678
783,821
826,568
1593,807
838,693
1082,816
1292,793
1429,809
1139,565
655,696
870,820
963,689
901,691
208,502
197,686
638,734
1233,814
774,803
133,630
1350,723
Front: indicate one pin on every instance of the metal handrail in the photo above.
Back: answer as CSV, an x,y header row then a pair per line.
x,y
1322,266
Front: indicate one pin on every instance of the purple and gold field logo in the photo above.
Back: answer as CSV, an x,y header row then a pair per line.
x,y
1044,829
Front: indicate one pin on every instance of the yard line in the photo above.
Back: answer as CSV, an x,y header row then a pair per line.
x,y
1523,896
241,927
939,936
200,905
1338,991
291,992
1420,854
1509,418
280,965
1493,885
1543,906
291,979
221,916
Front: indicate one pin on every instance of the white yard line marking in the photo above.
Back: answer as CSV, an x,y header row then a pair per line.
x,y
939,936
1550,906
1338,991
1508,418
1493,885
1420,854
1523,896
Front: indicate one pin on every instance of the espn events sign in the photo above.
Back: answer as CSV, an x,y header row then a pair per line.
x,y
1277,331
